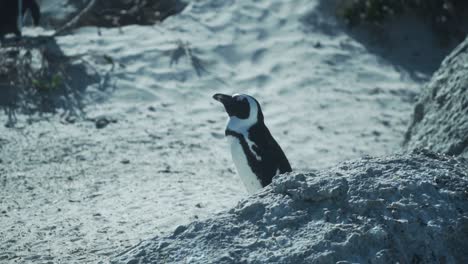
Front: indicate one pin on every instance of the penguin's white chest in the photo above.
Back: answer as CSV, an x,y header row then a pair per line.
x,y
246,174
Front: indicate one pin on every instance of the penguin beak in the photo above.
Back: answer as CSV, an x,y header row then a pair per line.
x,y
223,98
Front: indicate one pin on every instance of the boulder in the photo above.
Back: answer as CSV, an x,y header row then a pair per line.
x,y
440,119
410,208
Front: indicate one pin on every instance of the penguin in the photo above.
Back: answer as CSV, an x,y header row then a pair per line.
x,y
256,154
12,13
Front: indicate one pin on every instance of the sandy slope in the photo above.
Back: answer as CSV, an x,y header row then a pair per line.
x,y
394,209
72,193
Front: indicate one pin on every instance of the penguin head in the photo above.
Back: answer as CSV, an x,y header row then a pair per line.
x,y
244,111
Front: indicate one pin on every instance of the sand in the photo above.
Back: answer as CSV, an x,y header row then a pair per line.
x,y
72,193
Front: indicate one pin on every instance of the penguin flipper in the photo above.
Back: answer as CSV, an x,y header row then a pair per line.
x,y
280,157
284,165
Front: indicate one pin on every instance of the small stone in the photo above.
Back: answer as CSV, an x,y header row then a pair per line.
x,y
101,122
70,119
180,229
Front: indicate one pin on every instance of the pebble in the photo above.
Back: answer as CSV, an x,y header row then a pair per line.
x,y
101,122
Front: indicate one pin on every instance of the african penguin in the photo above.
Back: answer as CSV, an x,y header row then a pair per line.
x,y
11,15
256,154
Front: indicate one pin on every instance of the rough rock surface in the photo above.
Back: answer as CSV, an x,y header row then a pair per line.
x,y
440,119
409,208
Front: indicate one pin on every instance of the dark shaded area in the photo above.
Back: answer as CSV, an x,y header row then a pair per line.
x,y
79,13
447,18
407,39
36,77
9,15
128,12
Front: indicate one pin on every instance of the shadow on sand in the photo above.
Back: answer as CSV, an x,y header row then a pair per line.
x,y
36,77
408,43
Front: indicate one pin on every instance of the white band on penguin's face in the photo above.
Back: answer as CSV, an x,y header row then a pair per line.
x,y
242,125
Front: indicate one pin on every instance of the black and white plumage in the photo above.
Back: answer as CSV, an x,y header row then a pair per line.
x,y
12,12
255,152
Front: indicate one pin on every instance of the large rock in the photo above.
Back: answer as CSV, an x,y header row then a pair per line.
x,y
440,119
406,208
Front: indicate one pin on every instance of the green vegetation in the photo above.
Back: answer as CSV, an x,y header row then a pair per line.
x,y
53,83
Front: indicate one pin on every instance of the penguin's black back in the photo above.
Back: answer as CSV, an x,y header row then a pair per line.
x,y
265,146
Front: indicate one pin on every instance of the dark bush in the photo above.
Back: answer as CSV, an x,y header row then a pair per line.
x,y
127,12
448,18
